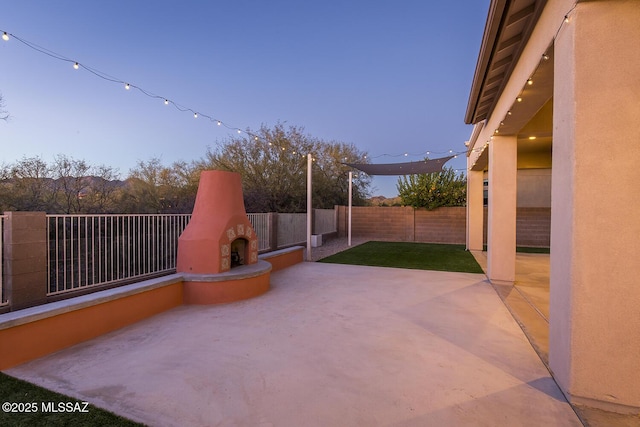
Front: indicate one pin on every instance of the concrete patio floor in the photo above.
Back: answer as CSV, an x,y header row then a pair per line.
x,y
329,345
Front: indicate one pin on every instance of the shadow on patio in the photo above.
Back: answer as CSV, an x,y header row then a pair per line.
x,y
528,299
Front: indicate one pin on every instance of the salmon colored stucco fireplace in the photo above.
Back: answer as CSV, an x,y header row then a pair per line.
x,y
218,250
219,235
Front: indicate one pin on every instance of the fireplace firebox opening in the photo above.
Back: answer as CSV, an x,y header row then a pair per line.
x,y
239,252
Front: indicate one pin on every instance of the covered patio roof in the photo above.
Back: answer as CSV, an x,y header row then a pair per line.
x,y
530,117
509,26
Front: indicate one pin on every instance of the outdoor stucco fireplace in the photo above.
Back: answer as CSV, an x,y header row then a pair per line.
x,y
219,235
218,250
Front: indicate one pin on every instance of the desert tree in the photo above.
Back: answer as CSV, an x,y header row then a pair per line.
x,y
273,166
70,178
433,190
30,185
153,187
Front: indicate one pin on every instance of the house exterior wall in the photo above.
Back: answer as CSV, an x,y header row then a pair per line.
x,y
595,297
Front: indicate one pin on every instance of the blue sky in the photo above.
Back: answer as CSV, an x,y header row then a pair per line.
x,y
391,77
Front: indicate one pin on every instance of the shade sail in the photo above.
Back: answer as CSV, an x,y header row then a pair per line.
x,y
409,168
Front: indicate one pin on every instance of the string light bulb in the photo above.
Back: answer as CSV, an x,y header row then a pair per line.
x,y
166,102
195,115
76,66
5,36
530,81
566,19
127,86
239,131
219,123
545,57
519,99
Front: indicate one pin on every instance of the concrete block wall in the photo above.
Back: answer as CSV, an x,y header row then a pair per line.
x,y
442,225
380,223
533,227
25,258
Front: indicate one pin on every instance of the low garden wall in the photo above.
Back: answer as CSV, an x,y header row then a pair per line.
x,y
37,331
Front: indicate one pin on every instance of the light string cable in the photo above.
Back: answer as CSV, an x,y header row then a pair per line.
x,y
6,36
421,154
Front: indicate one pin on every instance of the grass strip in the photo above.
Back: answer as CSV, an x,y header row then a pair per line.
x,y
28,405
419,256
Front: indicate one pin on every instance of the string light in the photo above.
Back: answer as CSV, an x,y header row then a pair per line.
x,y
76,65
545,57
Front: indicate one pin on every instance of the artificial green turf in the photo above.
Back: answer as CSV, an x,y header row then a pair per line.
x,y
31,397
420,256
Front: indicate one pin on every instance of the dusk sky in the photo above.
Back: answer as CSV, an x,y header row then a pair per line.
x,y
389,77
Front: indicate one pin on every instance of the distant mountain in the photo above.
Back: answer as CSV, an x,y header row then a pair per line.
x,y
384,201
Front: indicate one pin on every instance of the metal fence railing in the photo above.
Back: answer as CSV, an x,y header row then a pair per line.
x,y
91,250
261,223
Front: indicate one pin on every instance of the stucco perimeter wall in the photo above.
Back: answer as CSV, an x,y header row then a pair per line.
x,y
442,225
